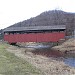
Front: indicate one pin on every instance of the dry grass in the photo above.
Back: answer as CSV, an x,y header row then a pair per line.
x,y
13,65
48,66
69,45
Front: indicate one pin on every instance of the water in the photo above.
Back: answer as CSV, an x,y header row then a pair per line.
x,y
39,46
45,50
70,61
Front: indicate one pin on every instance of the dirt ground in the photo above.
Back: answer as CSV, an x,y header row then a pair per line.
x,y
48,65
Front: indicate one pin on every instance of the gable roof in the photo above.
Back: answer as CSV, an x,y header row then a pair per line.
x,y
54,27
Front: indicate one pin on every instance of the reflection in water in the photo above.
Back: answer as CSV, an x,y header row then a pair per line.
x,y
69,58
47,52
38,46
70,61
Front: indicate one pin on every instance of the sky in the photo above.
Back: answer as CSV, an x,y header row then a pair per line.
x,y
14,11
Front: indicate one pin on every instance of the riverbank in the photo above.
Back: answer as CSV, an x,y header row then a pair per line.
x,y
47,65
68,46
14,65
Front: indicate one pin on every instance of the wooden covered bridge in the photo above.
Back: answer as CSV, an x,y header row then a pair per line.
x,y
34,34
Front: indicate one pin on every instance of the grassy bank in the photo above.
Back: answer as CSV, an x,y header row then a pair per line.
x,y
12,65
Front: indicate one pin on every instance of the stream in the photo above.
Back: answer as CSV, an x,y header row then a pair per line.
x,y
69,59
45,50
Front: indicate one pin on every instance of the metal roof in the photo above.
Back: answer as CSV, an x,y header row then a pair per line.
x,y
53,27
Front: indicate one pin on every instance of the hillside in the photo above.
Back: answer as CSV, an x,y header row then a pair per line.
x,y
54,17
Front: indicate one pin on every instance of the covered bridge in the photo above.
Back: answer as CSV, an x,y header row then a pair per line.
x,y
34,34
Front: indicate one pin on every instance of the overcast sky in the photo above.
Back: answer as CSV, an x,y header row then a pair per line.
x,y
13,11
